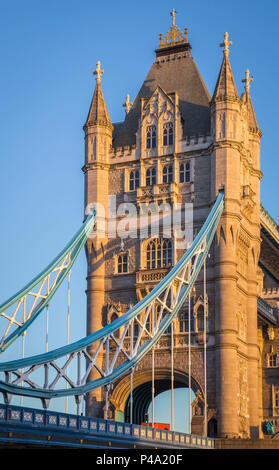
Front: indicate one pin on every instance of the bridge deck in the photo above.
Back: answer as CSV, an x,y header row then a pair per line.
x,y
28,426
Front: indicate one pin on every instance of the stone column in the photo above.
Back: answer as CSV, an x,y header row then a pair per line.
x,y
225,335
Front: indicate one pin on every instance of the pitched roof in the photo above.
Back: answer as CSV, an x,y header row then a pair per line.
x,y
98,113
225,86
173,73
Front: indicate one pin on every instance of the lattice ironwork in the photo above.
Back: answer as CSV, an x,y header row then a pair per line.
x,y
20,311
119,346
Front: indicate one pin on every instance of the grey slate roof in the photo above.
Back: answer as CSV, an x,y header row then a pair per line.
x,y
172,74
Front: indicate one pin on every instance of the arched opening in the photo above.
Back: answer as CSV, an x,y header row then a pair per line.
x,y
142,399
162,408
212,430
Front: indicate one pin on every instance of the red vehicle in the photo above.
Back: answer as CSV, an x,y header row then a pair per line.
x,y
158,425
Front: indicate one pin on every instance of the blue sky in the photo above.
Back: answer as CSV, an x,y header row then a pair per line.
x,y
49,50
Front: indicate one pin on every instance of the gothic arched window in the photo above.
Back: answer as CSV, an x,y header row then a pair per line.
x,y
184,321
159,253
184,173
113,318
151,176
151,137
167,174
134,180
200,319
168,134
122,263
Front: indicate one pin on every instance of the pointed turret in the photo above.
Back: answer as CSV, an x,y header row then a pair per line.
x,y
246,98
98,113
225,86
98,128
225,103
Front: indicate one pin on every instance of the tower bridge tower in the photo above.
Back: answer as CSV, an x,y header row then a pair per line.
x,y
177,144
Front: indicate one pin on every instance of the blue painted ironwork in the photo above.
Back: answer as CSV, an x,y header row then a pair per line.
x,y
169,295
59,268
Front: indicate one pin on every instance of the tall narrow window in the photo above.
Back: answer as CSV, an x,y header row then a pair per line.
x,y
159,253
122,263
151,137
184,321
168,134
276,397
113,318
272,360
200,319
150,176
184,173
134,180
167,174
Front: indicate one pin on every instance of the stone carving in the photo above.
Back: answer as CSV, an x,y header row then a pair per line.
x,y
241,322
243,398
198,405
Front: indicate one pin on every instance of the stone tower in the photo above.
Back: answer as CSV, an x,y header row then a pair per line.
x,y
98,142
177,144
235,165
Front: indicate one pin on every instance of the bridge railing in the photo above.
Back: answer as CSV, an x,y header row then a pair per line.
x,y
46,419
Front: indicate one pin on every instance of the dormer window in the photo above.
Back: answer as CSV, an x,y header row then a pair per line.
x,y
150,176
151,137
134,180
168,134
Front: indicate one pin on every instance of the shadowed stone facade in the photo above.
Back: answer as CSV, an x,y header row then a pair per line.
x,y
179,145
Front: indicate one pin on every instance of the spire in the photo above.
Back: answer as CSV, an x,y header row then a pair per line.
x,y
98,113
252,120
225,86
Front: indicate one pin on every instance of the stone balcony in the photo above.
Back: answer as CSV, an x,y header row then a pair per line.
x,y
165,193
150,277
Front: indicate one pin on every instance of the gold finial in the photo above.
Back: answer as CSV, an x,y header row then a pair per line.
x,y
98,71
226,44
247,80
174,35
173,13
128,104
